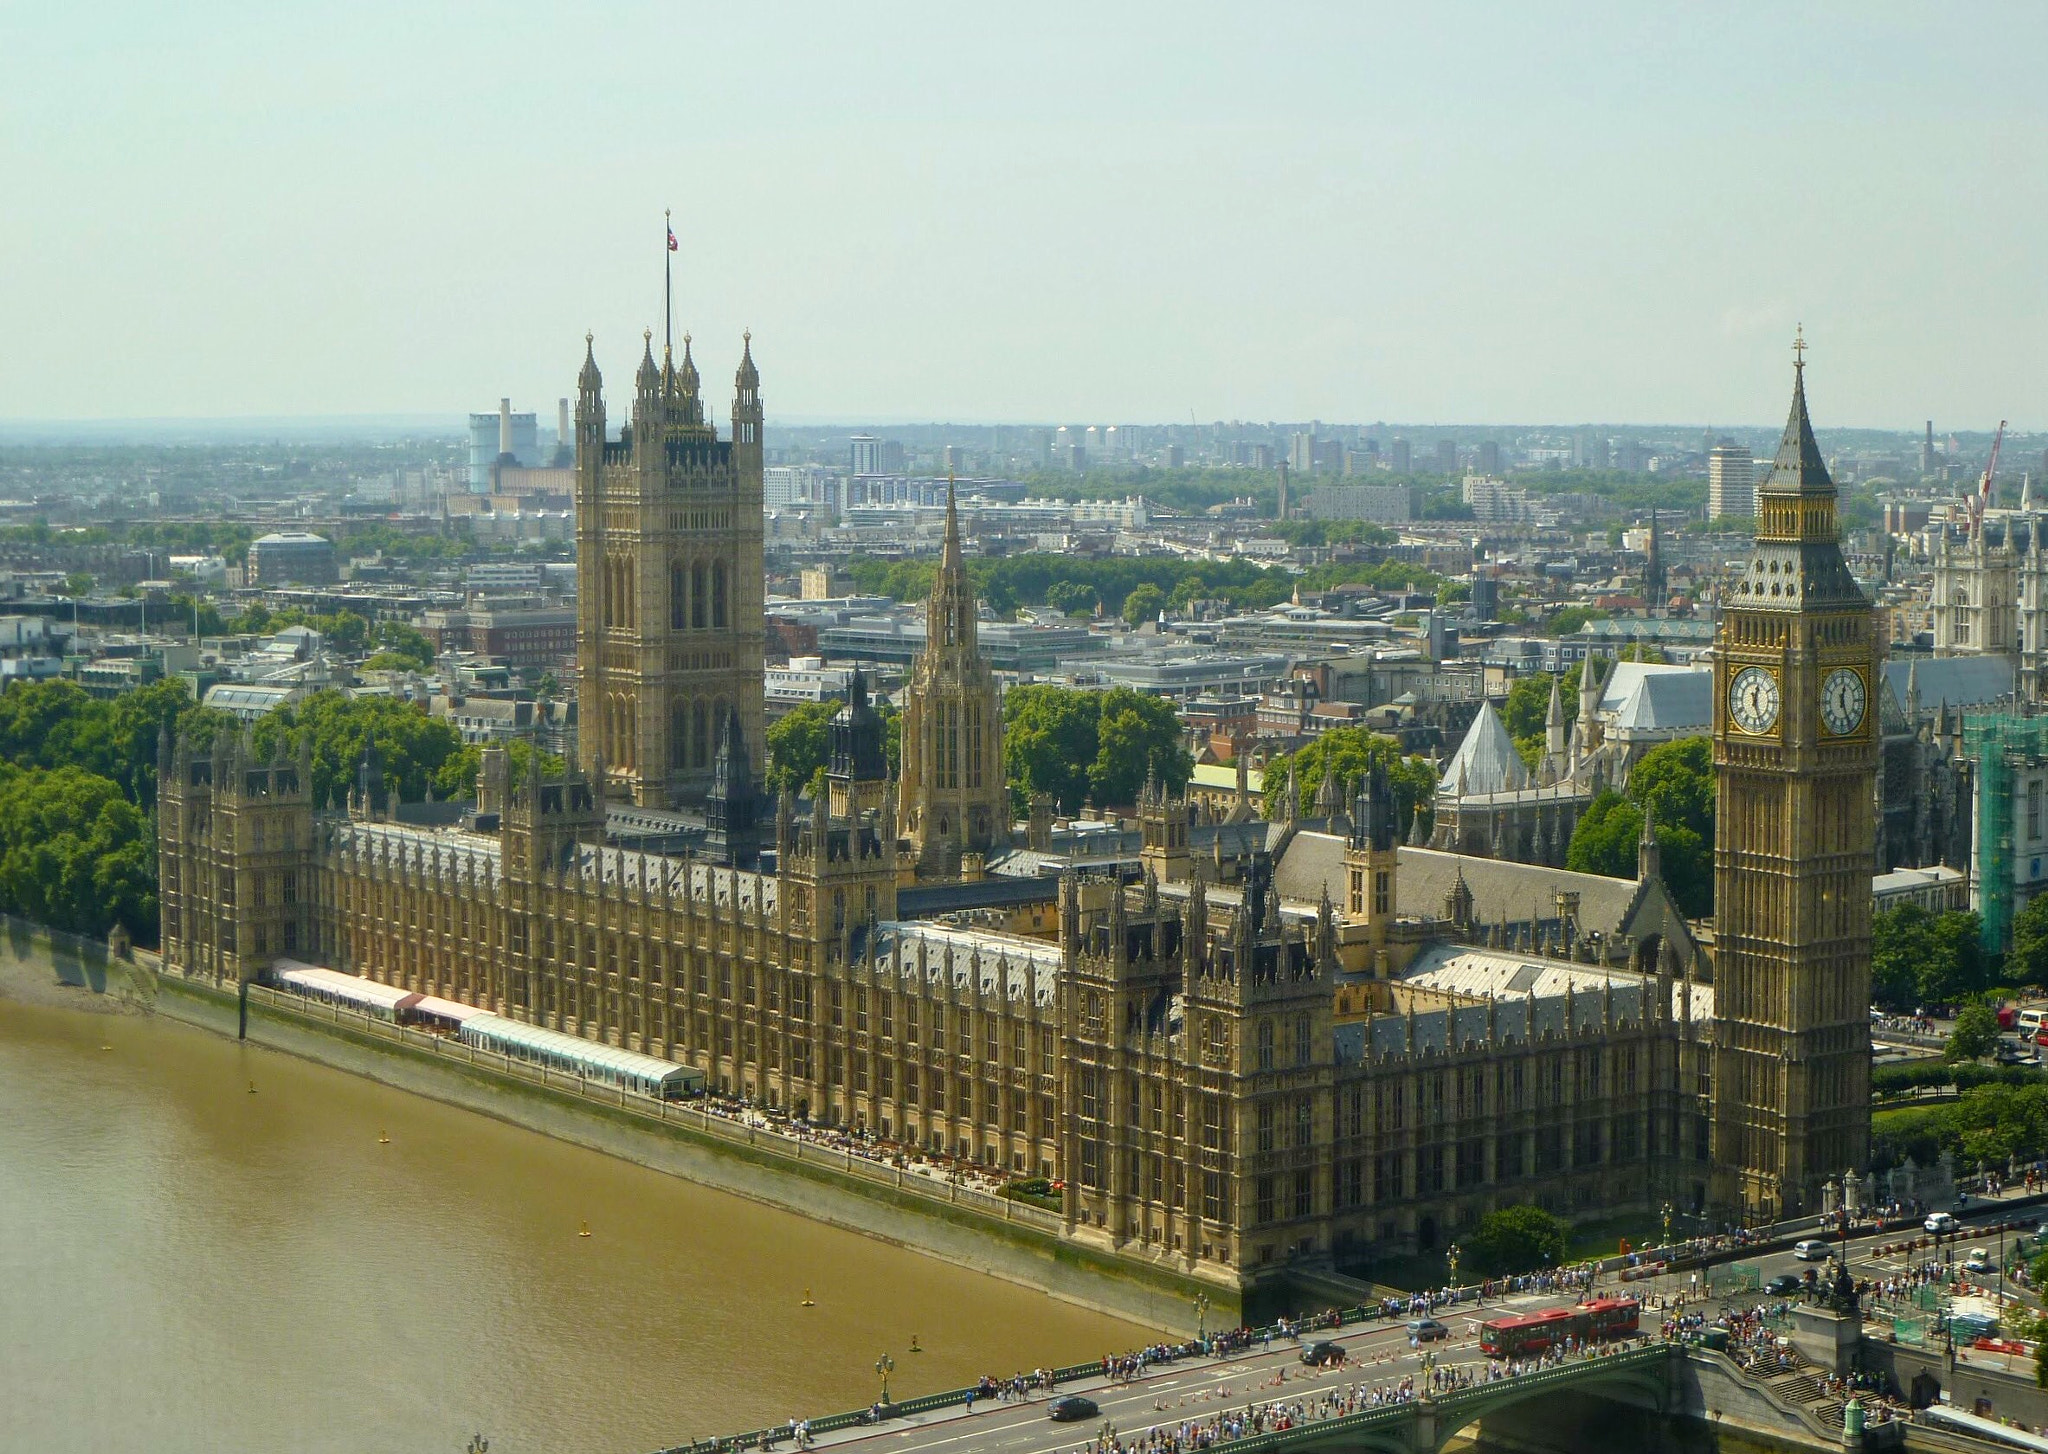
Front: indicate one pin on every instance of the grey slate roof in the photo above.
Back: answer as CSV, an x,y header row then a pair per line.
x,y
1486,761
1958,681
1645,697
1517,892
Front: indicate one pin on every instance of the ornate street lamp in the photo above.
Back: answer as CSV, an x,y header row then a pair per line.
x,y
885,1365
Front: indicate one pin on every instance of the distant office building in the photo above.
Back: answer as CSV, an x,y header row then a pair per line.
x,y
1301,453
1447,456
1329,456
1927,450
798,486
1386,504
1262,456
1731,482
1489,456
1590,452
492,435
1400,459
293,557
1173,457
1631,456
872,456
953,459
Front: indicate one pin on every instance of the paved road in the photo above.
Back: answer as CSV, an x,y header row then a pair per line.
x,y
1378,1353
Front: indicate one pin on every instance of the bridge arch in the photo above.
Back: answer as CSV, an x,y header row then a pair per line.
x,y
1644,1372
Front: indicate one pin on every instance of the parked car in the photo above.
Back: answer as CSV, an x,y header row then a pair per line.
x,y
1785,1284
1071,1408
1811,1250
1427,1330
1978,1261
1940,1223
1323,1355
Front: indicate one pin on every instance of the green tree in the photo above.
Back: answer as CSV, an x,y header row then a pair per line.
x,y
2027,961
798,746
75,854
1676,781
1513,1240
411,746
1143,604
456,778
1072,598
1974,1036
1136,737
399,639
186,608
1049,743
1349,753
1527,708
1606,837
1921,958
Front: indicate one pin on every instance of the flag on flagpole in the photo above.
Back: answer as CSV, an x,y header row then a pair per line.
x,y
671,239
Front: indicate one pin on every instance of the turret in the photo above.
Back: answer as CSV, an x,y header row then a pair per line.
x,y
746,401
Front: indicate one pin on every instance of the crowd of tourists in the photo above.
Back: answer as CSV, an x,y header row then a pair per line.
x,y
1183,1436
858,1142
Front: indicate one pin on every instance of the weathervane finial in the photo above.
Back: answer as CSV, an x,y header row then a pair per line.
x,y
1799,346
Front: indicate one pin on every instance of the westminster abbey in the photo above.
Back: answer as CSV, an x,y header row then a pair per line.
x,y
1246,1049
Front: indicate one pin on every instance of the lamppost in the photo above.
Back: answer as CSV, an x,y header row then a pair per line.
x,y
1453,1259
885,1365
1202,1316
1667,1224
478,1444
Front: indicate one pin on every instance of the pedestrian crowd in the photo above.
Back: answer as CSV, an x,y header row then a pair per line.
x,y
1226,1425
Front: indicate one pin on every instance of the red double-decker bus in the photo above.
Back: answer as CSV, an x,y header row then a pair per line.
x,y
1589,1321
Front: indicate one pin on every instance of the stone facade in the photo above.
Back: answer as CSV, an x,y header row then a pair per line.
x,y
670,633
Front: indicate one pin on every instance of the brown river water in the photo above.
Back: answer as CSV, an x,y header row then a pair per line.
x,y
187,1266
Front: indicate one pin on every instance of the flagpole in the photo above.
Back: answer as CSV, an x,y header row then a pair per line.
x,y
668,310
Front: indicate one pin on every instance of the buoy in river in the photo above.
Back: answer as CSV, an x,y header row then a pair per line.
x,y
807,1299
585,1231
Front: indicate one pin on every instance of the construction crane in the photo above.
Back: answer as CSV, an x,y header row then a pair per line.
x,y
1977,506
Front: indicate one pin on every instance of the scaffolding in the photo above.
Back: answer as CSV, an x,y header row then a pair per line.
x,y
1995,741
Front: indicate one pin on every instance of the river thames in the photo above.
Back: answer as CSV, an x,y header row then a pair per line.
x,y
186,1265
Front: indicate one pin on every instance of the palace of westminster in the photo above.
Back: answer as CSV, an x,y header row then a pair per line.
x,y
1240,1045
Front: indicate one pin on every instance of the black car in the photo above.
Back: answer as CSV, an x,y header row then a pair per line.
x,y
1323,1355
1785,1284
1073,1406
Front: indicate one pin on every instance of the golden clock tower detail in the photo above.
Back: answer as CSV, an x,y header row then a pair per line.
x,y
1795,759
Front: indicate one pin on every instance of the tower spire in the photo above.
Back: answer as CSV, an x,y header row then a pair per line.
x,y
668,308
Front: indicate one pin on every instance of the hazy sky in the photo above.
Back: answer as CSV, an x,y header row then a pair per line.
x,y
1102,213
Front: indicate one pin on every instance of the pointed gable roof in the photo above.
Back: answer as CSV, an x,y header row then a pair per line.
x,y
1798,467
1486,761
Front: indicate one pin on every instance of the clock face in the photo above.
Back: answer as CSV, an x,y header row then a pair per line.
x,y
1753,700
1841,701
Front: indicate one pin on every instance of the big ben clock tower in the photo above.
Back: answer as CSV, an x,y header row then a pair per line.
x,y
1795,760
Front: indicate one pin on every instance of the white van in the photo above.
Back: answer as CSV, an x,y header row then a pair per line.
x,y
2030,1022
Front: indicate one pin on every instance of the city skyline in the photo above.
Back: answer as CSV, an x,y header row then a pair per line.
x,y
1355,215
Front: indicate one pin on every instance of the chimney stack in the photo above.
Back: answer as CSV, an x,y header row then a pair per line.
x,y
504,429
562,423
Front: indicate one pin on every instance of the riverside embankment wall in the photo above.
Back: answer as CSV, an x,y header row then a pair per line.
x,y
1014,1242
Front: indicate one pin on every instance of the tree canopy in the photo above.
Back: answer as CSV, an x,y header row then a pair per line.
x,y
1921,958
1676,782
1975,1034
412,746
1349,753
1513,1240
1078,745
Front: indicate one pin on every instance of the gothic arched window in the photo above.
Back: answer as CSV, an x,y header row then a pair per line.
x,y
697,596
718,595
699,736
679,734
678,597
1265,1043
